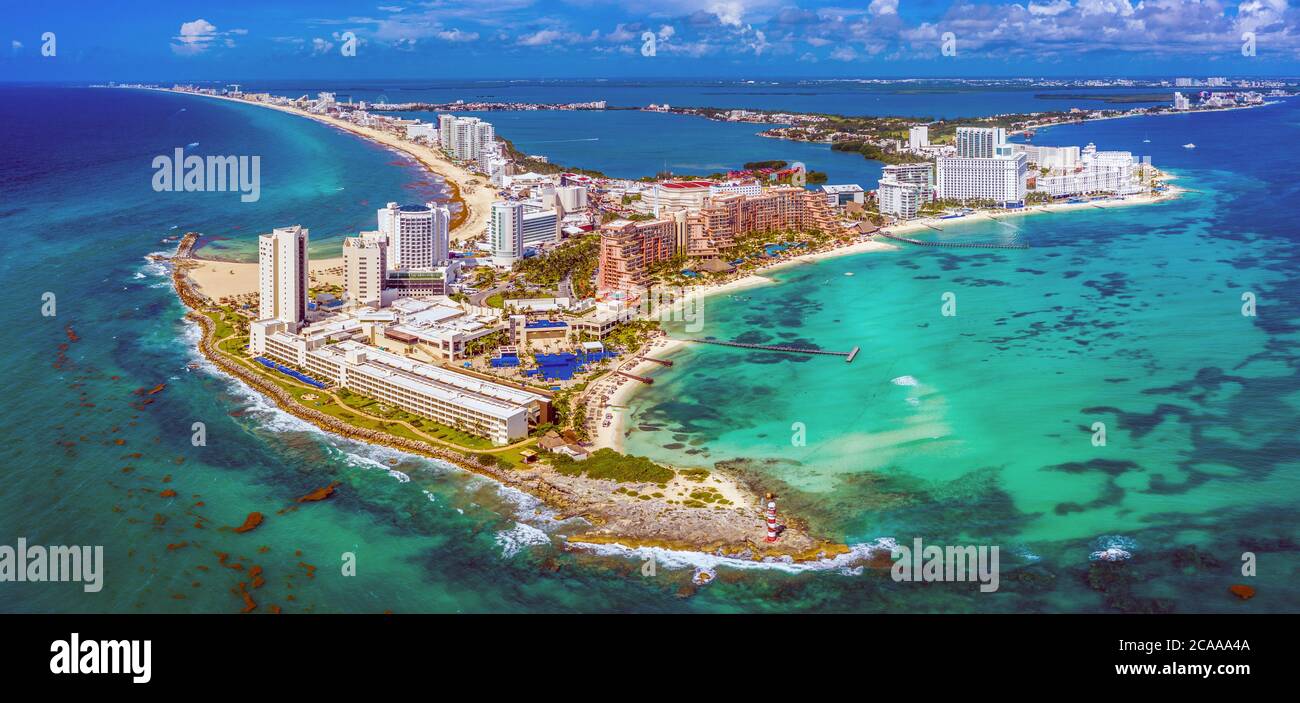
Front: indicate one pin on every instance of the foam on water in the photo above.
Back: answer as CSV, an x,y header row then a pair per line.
x,y
673,559
520,537
903,381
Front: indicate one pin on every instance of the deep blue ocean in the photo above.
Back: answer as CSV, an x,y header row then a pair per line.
x,y
86,461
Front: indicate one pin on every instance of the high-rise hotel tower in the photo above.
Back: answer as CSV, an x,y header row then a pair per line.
x,y
282,275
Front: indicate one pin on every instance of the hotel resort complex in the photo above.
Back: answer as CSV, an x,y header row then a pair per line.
x,y
482,332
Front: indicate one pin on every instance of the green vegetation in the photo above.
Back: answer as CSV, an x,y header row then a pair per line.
x,y
577,260
607,464
486,344
631,335
876,153
696,475
774,164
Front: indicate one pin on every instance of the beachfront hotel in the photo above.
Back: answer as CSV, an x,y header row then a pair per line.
x,y
985,168
378,354
506,232
282,275
499,412
365,265
417,235
1080,172
629,249
904,188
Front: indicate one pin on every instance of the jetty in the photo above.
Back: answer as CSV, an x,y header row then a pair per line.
x,y
634,377
661,362
849,355
956,245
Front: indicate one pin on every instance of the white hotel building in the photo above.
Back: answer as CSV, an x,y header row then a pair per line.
x,y
1096,172
506,232
904,188
365,264
1000,179
416,234
985,168
335,352
496,411
282,275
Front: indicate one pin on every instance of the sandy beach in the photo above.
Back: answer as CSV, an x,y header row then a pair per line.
x,y
227,279
473,191
933,223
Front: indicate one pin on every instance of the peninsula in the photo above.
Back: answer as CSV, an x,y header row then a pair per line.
x,y
503,332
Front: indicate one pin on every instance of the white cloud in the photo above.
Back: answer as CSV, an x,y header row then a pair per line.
x,y
195,37
844,53
320,46
455,35
541,37
883,7
1050,9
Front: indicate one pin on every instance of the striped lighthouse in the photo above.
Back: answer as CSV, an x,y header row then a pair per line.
x,y
771,518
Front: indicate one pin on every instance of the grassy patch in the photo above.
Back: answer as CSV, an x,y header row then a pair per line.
x,y
609,465
696,475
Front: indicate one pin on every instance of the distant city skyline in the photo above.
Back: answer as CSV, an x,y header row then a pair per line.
x,y
671,39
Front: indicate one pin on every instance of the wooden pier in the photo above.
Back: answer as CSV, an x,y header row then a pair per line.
x,y
634,377
849,355
958,245
661,362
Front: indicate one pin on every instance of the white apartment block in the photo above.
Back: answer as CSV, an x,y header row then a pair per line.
x,y
918,137
899,199
282,275
464,137
999,179
424,130
364,267
506,232
541,227
980,142
1049,157
445,123
417,235
572,198
747,189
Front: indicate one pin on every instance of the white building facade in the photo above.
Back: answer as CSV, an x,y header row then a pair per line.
x,y
506,231
417,235
282,275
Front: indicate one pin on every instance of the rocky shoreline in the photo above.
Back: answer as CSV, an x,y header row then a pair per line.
x,y
623,513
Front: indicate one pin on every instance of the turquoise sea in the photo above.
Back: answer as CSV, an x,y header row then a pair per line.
x,y
1129,317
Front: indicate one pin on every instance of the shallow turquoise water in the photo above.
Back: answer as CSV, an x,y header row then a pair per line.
x,y
1005,401
978,428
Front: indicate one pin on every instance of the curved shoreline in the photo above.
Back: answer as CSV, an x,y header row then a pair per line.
x,y
689,535
475,202
616,517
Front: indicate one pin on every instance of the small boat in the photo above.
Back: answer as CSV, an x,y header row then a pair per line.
x,y
1189,146
848,273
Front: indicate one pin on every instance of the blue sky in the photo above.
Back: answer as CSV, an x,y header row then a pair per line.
x,y
449,39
